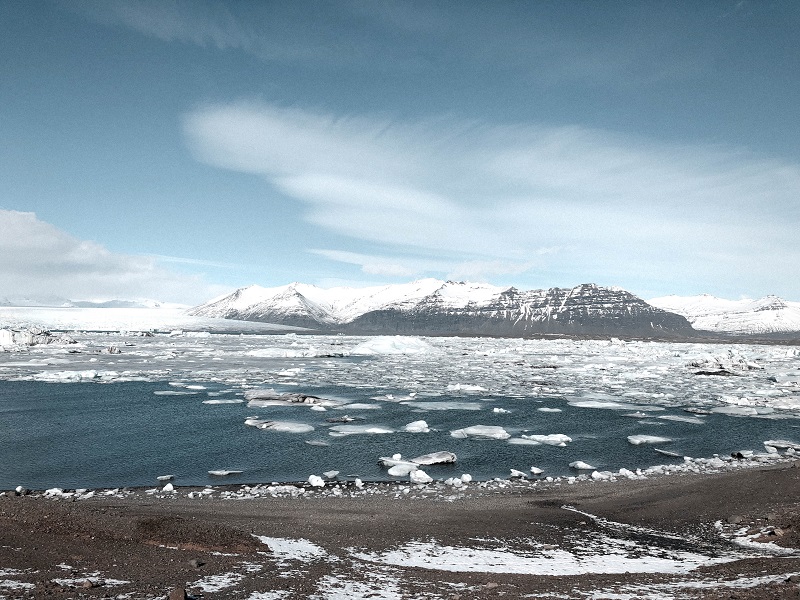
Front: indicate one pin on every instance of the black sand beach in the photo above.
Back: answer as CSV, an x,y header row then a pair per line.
x,y
54,548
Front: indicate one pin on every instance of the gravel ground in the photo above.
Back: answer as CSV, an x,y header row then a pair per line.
x,y
143,546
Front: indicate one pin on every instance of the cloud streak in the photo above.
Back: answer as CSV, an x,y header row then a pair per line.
x,y
614,206
38,259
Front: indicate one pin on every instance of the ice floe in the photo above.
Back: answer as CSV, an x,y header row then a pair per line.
x,y
552,439
637,440
343,430
481,432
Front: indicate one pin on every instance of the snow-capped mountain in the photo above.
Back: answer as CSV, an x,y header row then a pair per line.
x,y
769,314
431,306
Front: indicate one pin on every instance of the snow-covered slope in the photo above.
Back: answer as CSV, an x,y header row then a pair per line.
x,y
122,319
708,313
431,306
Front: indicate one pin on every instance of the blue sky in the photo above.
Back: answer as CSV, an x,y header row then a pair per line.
x,y
175,150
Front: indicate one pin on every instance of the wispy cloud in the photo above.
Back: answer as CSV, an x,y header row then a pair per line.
x,y
38,259
499,194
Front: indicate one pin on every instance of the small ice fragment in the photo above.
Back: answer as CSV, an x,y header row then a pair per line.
x,y
330,474
536,471
168,488
165,477
223,472
581,466
500,410
466,478
419,476
546,409
316,481
518,474
358,483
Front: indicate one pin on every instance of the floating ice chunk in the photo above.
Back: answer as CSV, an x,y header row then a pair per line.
x,y
667,452
637,440
481,432
547,409
330,474
500,410
518,474
419,476
602,475
173,393
316,481
782,444
342,430
317,443
581,466
269,397
417,427
536,471
397,344
359,406
435,458
683,419
224,401
553,439
523,442
223,472
280,426
165,477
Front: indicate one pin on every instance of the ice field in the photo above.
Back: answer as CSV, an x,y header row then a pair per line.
x,y
121,409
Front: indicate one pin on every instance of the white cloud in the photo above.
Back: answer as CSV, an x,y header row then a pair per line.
x,y
490,196
37,259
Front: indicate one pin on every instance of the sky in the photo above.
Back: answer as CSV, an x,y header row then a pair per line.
x,y
175,150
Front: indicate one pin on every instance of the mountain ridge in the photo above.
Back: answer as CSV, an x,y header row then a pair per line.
x,y
436,307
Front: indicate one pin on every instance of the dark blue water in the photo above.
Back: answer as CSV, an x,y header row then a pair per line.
x,y
122,434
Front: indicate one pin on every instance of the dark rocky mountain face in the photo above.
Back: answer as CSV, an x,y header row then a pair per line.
x,y
584,310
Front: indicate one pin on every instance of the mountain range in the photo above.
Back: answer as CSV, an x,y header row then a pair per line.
x,y
434,307
768,315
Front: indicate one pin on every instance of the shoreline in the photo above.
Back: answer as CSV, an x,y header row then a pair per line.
x,y
679,531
